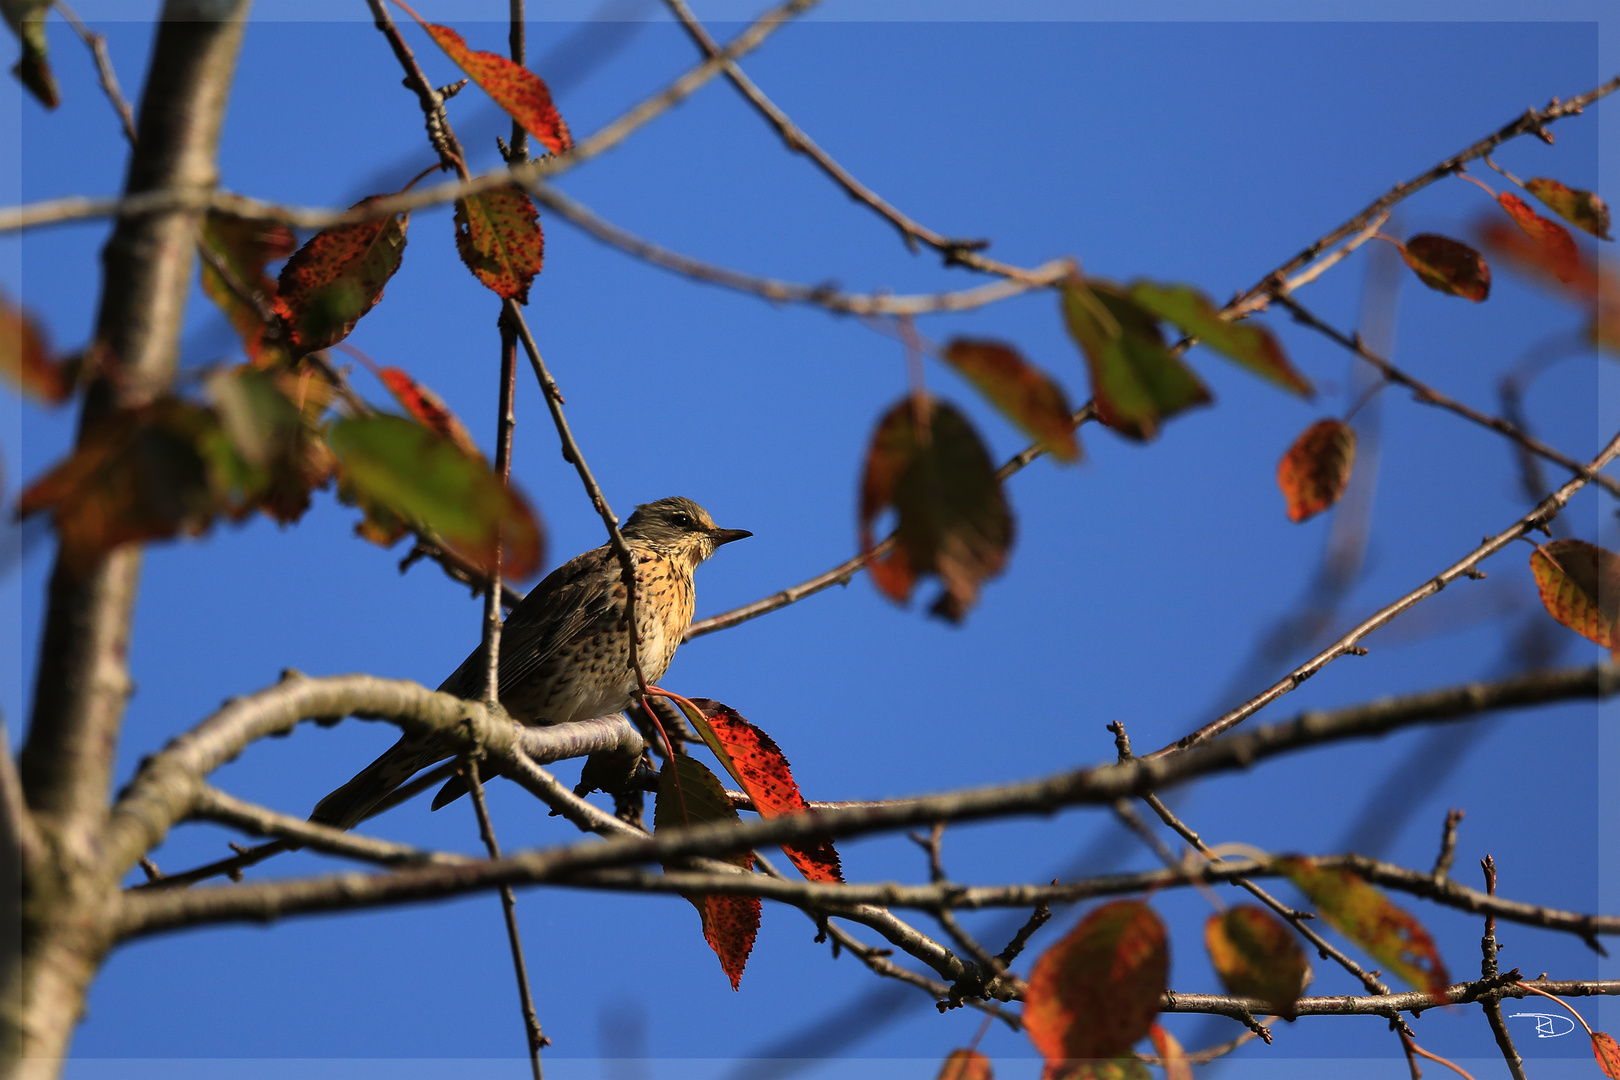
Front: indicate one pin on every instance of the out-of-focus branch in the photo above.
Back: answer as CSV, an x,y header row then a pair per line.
x,y
97,44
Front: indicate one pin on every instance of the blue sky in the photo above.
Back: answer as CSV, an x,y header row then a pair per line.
x,y
1204,152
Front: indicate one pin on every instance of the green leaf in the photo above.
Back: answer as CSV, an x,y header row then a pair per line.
x,y
336,277
1136,382
27,20
1257,955
1250,345
423,479
498,236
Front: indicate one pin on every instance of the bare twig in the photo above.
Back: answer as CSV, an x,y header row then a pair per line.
x,y
1350,642
1448,846
97,44
1492,1003
1427,395
825,296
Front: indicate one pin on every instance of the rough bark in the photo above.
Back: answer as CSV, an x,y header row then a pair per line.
x,y
83,681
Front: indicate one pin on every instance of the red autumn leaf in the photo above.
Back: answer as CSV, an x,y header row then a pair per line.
x,y
523,94
498,236
1025,394
428,408
1580,587
25,358
730,922
759,766
336,277
1096,992
1583,209
243,246
1257,955
1560,254
1578,283
1316,469
1607,1053
953,516
1248,343
403,473
1136,382
1448,266
1362,913
1171,1056
966,1065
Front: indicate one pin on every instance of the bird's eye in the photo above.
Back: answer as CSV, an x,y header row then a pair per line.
x,y
681,519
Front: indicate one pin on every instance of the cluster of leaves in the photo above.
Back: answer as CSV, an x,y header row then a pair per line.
x,y
269,432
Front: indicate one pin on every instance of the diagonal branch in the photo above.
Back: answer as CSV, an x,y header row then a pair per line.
x,y
1544,512
1427,395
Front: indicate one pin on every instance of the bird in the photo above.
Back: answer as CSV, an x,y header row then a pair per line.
x,y
565,647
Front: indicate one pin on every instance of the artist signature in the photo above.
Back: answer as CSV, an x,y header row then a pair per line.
x,y
1550,1025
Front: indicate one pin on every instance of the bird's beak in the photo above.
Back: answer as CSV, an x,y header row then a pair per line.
x,y
726,536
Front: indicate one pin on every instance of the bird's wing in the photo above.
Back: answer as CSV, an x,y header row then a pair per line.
x,y
574,600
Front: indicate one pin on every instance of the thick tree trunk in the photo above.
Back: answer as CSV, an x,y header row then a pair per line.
x,y
83,679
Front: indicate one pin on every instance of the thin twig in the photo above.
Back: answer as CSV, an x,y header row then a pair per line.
x,y
824,296
97,44
1350,642
1448,846
1492,1003
1427,395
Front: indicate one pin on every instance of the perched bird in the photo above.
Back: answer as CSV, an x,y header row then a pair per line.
x,y
565,648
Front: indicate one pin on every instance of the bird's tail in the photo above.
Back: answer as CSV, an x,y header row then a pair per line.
x,y
348,805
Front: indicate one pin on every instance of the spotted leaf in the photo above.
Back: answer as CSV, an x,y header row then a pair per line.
x,y
498,236
690,795
241,247
428,408
336,277
1607,1053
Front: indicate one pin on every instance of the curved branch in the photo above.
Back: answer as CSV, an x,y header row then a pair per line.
x,y
1099,786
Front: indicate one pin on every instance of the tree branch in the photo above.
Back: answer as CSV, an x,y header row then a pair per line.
x,y
1544,512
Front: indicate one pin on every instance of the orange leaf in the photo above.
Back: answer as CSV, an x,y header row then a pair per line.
x,y
1171,1055
1025,394
758,764
498,236
1580,208
1362,913
523,94
1316,469
1136,382
428,408
1578,283
25,359
336,277
953,516
966,1065
730,922
1559,251
1607,1054
1448,266
243,246
1096,992
1580,587
1257,956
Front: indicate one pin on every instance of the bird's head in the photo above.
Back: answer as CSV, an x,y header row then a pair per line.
x,y
679,526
